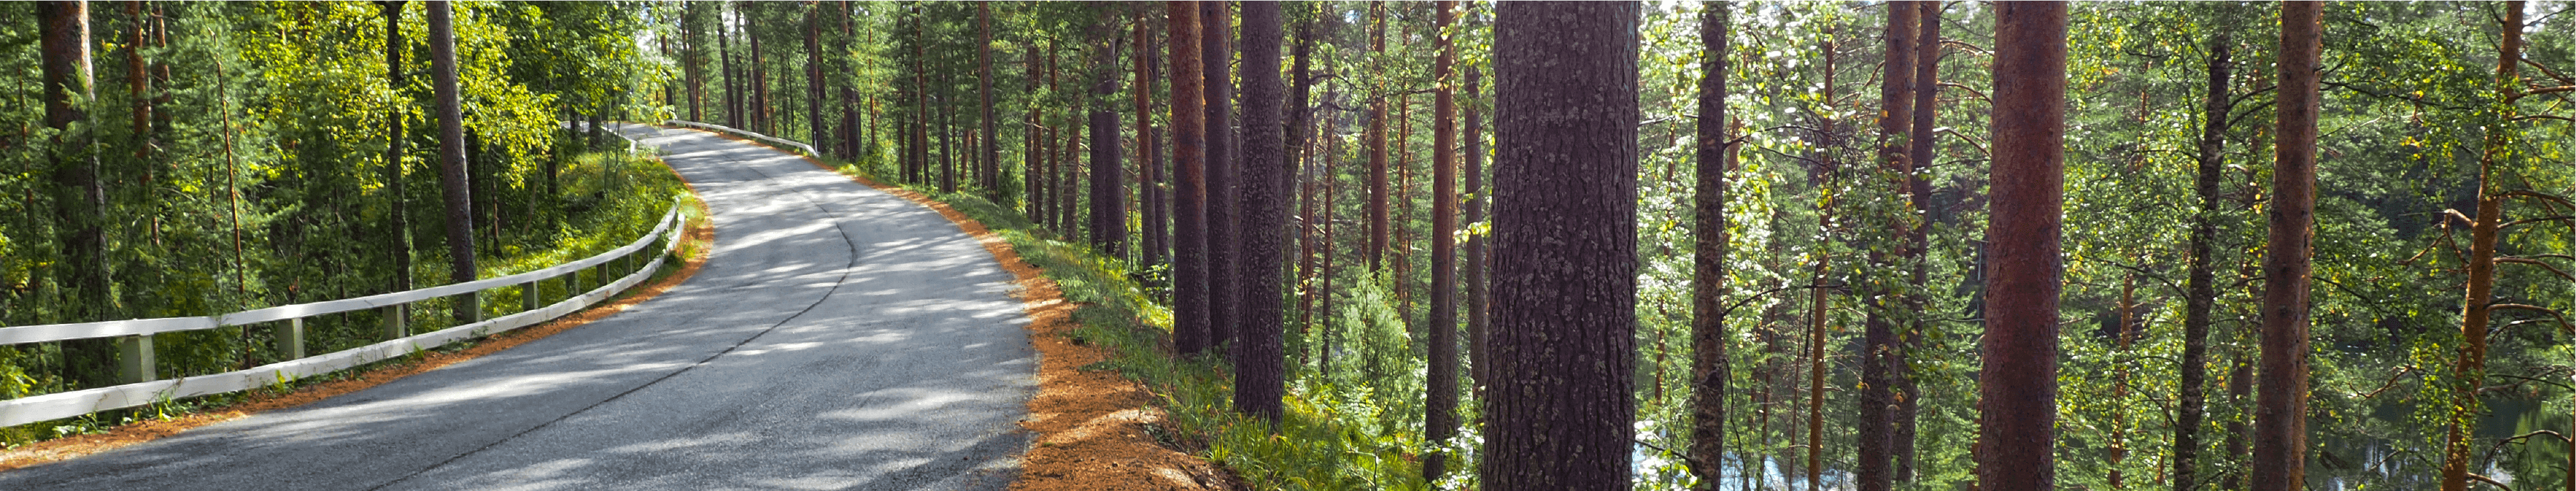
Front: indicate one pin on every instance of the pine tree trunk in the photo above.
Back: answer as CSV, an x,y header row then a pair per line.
x,y
452,161
2018,413
1565,247
400,232
80,197
1440,413
988,170
1377,210
1879,345
724,55
814,98
1260,378
1108,185
1030,137
1709,341
2200,280
1190,327
1927,47
1149,178
1225,283
2280,419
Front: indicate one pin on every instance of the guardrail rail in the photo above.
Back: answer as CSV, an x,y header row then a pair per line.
x,y
135,336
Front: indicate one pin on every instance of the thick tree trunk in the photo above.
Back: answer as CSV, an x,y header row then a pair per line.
x,y
758,69
2018,414
400,232
1224,266
80,197
452,164
691,57
1927,46
2200,277
1440,414
1565,247
1031,137
2281,414
1708,263
1880,349
1108,185
1189,156
920,171
1260,369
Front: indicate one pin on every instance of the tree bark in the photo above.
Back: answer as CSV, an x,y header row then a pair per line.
x,y
724,56
1440,414
2018,413
1224,266
814,95
988,169
1708,262
1149,179
1260,378
1927,64
2201,291
451,171
1565,247
1108,185
1189,155
400,233
1479,318
80,197
2281,414
2474,308
1377,210
1880,349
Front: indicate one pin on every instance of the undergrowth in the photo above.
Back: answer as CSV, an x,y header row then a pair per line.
x,y
1346,427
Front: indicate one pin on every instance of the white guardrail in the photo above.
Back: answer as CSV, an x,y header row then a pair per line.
x,y
782,142
290,336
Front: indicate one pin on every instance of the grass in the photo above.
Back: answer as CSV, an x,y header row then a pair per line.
x,y
1333,436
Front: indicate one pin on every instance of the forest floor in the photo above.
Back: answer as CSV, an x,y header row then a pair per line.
x,y
700,236
1095,429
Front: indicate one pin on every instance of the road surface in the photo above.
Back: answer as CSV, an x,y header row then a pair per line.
x,y
839,338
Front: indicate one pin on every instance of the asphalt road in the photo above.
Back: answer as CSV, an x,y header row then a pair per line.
x,y
839,338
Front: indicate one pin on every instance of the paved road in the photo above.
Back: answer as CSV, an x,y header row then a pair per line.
x,y
840,338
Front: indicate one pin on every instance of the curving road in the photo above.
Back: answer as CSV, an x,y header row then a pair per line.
x,y
839,338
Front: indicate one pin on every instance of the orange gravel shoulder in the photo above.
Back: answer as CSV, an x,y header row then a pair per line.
x,y
1092,426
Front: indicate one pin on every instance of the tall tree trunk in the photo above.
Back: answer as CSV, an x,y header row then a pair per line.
x,y
1817,288
947,134
452,164
400,233
759,69
988,170
1150,178
1260,378
1108,185
1377,211
919,171
691,57
2201,291
1708,263
1880,349
1190,329
724,56
1565,247
814,98
2280,420
80,197
1225,278
1927,46
2018,413
1440,413
1030,136
2475,310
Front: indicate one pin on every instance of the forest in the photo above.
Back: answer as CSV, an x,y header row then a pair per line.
x,y
1469,245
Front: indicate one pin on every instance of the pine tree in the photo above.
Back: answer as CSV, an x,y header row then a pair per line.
x,y
2018,413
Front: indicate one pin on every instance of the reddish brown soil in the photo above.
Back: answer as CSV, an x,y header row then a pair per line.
x,y
1091,425
700,235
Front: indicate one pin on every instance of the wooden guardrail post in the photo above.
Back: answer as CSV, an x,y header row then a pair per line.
x,y
395,317
134,362
290,339
469,307
528,294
